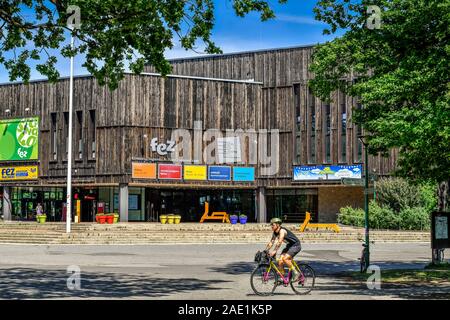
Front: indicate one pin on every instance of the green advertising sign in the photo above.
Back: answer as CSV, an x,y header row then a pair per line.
x,y
19,139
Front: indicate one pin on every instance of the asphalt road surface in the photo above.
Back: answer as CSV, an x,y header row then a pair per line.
x,y
186,271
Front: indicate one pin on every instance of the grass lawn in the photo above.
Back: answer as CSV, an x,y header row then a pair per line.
x,y
422,276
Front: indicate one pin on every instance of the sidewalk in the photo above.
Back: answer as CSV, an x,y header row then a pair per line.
x,y
156,233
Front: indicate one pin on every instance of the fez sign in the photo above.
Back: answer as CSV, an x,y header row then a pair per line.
x,y
162,148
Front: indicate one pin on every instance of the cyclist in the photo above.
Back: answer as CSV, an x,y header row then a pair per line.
x,y
293,246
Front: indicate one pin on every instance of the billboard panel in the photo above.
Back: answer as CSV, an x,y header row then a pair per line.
x,y
19,139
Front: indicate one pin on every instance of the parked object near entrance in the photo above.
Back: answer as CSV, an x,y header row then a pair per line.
x,y
214,216
177,219
242,219
41,218
163,218
233,219
306,224
109,218
170,218
101,218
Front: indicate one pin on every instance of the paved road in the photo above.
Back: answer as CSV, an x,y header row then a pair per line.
x,y
216,271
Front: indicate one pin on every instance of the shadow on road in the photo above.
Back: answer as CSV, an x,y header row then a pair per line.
x,y
28,283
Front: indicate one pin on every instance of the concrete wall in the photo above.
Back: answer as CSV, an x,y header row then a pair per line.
x,y
331,199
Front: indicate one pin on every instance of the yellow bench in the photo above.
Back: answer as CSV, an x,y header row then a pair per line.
x,y
214,216
307,225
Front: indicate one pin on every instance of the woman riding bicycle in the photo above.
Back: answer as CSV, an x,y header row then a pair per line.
x,y
293,246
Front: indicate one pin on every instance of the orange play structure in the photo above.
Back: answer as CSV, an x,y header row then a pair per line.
x,y
307,225
214,216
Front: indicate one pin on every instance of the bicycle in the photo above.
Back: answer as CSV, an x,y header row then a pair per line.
x,y
362,260
267,274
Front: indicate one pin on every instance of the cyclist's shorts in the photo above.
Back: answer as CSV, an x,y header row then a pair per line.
x,y
292,250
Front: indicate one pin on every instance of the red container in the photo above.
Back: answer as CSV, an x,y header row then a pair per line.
x,y
102,219
110,219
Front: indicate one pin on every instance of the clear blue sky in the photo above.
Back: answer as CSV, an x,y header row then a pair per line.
x,y
294,25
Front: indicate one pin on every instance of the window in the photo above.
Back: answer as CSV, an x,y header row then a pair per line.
x,y
358,141
92,135
297,106
343,106
54,135
327,131
312,127
80,133
66,135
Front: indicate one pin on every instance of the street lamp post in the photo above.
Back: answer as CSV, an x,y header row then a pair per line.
x,y
366,201
69,146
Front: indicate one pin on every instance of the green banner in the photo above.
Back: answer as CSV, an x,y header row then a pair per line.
x,y
19,139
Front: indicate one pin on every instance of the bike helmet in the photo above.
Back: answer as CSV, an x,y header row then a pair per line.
x,y
276,220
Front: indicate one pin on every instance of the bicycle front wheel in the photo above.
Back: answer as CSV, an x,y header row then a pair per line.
x,y
263,281
306,281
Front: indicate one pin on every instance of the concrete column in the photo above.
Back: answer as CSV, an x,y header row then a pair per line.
x,y
262,209
123,202
7,214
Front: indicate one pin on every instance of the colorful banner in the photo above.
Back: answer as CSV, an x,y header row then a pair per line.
x,y
169,171
143,170
19,139
219,173
18,173
194,172
327,172
244,174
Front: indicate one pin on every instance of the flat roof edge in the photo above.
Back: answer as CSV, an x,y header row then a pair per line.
x,y
206,56
141,74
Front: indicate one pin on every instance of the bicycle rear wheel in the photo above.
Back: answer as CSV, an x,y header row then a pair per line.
x,y
306,281
362,262
263,282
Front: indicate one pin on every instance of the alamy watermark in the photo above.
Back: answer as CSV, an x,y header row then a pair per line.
x,y
74,280
213,146
74,20
374,280
374,20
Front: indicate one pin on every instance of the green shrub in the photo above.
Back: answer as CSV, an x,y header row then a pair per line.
x,y
415,219
382,217
352,217
398,194
428,196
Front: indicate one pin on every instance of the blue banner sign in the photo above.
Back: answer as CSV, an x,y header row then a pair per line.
x,y
244,174
324,172
219,173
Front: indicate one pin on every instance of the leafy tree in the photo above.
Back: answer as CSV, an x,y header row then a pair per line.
x,y
112,32
400,74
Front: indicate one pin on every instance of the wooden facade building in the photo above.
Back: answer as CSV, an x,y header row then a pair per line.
x,y
260,90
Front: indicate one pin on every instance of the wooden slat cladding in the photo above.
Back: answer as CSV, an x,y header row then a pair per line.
x,y
141,105
280,67
279,70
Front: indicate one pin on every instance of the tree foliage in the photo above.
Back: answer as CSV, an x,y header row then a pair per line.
x,y
402,77
112,33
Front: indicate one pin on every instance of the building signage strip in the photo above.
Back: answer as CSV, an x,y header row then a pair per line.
x,y
19,173
219,173
143,170
169,171
323,172
244,174
195,172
